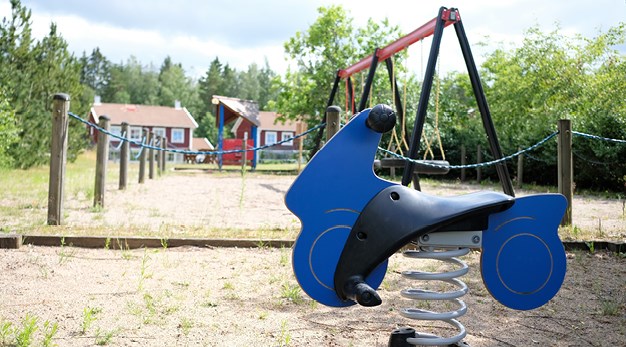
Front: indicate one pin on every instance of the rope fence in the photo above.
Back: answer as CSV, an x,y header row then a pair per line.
x,y
156,146
61,114
183,151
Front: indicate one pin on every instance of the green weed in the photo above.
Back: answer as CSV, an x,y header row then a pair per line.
x,y
6,331
49,330
291,292
24,336
65,252
89,316
285,337
185,325
610,308
103,338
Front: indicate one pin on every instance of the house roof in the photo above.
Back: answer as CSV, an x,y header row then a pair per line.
x,y
269,122
234,108
200,143
145,115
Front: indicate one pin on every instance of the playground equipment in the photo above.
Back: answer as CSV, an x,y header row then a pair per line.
x,y
353,221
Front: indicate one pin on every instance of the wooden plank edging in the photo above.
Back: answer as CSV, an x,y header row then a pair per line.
x,y
15,241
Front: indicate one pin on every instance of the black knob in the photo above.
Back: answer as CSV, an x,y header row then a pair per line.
x,y
381,119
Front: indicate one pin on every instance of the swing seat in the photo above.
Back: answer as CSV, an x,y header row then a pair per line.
x,y
429,167
353,221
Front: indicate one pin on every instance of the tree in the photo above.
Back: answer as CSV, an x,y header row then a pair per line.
x,y
327,45
551,77
31,74
95,71
9,131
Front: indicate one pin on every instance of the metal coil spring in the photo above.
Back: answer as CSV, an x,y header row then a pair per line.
x,y
448,256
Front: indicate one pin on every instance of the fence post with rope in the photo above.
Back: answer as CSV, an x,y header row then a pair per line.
x,y
142,157
164,156
565,167
159,155
124,157
151,141
479,159
520,169
332,121
463,162
244,154
102,157
58,157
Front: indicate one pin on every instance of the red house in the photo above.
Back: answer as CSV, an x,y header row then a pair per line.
x,y
175,123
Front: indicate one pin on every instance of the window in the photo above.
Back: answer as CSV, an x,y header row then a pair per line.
x,y
116,130
270,137
287,135
135,133
159,131
178,135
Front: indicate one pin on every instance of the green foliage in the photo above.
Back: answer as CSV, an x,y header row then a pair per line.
x,y
31,72
9,131
326,46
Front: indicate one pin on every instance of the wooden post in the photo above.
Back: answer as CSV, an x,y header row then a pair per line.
x,y
151,155
520,169
124,156
463,162
300,130
392,170
142,158
332,121
58,157
479,159
102,157
566,167
159,154
164,152
244,154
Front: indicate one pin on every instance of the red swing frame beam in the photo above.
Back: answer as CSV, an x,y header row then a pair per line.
x,y
400,44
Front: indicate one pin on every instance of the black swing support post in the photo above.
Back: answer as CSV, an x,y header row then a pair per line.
x,y
422,107
483,107
368,82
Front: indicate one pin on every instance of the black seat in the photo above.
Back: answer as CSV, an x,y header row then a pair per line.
x,y
397,215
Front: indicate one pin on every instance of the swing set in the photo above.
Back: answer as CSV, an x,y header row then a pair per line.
x,y
434,27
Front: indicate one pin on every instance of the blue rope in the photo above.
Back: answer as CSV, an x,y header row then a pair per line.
x,y
150,146
596,137
538,159
471,166
143,141
119,145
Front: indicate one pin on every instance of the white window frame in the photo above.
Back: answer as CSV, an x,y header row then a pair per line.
x,y
159,131
267,137
116,130
175,134
135,133
286,135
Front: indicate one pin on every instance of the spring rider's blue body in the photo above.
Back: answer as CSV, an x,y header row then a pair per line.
x,y
353,221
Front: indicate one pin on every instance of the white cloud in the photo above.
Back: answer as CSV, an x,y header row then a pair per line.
x,y
240,32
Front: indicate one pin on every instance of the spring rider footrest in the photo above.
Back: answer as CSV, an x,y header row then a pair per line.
x,y
353,221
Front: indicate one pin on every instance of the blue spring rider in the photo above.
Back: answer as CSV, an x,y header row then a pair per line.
x,y
353,221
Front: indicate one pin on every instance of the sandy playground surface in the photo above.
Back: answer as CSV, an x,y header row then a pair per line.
x,y
249,297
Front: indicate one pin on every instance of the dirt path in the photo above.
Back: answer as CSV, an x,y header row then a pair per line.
x,y
210,204
248,297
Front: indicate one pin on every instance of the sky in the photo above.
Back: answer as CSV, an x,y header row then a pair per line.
x,y
242,32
